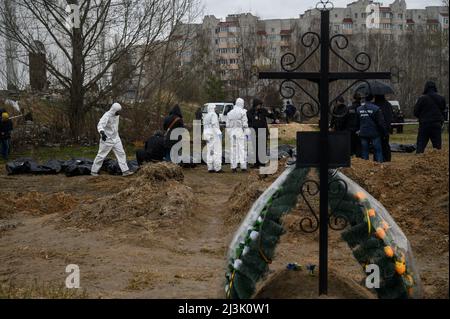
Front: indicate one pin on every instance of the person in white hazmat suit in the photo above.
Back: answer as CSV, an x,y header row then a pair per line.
x,y
108,127
237,129
213,137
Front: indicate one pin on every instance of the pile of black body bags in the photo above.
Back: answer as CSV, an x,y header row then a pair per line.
x,y
72,167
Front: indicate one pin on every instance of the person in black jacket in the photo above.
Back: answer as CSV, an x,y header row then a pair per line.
x,y
172,121
290,112
338,116
6,126
154,149
430,110
371,129
257,119
386,110
351,124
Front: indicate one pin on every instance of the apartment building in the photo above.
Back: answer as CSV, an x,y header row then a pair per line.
x,y
276,36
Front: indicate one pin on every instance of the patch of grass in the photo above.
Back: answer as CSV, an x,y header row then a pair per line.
x,y
40,291
65,153
409,135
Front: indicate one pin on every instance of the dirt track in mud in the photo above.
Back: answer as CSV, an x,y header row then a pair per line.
x,y
181,254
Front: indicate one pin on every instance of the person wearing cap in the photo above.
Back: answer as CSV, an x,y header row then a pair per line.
x,y
108,127
6,126
257,120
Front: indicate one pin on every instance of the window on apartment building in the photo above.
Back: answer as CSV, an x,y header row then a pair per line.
x,y
400,26
363,15
337,28
217,41
347,26
363,26
217,30
273,30
445,20
386,26
356,16
400,15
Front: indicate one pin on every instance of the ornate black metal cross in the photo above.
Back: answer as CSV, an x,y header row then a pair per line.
x,y
323,79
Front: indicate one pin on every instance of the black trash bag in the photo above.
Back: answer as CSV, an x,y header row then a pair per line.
x,y
77,167
133,165
76,161
402,148
52,166
285,151
78,170
106,163
20,166
113,168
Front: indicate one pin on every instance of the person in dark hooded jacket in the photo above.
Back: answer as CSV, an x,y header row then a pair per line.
x,y
352,125
386,110
257,119
430,110
172,121
154,149
339,116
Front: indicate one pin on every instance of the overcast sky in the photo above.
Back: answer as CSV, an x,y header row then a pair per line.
x,y
273,9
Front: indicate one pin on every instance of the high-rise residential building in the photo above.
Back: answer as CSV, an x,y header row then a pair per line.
x,y
270,39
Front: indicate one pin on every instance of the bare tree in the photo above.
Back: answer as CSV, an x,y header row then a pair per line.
x,y
98,35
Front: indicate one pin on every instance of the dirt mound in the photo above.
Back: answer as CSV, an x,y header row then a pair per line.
x,y
288,284
36,203
160,172
247,192
414,191
156,195
289,131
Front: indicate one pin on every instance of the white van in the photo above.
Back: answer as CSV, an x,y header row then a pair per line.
x,y
222,109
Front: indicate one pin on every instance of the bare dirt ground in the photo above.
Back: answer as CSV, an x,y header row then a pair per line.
x,y
180,255
166,235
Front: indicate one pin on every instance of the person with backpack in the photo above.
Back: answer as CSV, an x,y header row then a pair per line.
x,y
371,129
172,121
430,110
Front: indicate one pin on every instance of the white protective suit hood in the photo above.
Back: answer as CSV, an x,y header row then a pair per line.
x,y
211,108
239,103
109,123
116,107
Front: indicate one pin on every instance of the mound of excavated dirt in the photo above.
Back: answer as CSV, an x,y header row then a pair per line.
x,y
247,192
288,284
36,203
414,189
289,131
156,194
415,192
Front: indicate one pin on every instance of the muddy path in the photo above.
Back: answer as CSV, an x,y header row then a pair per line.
x,y
134,262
